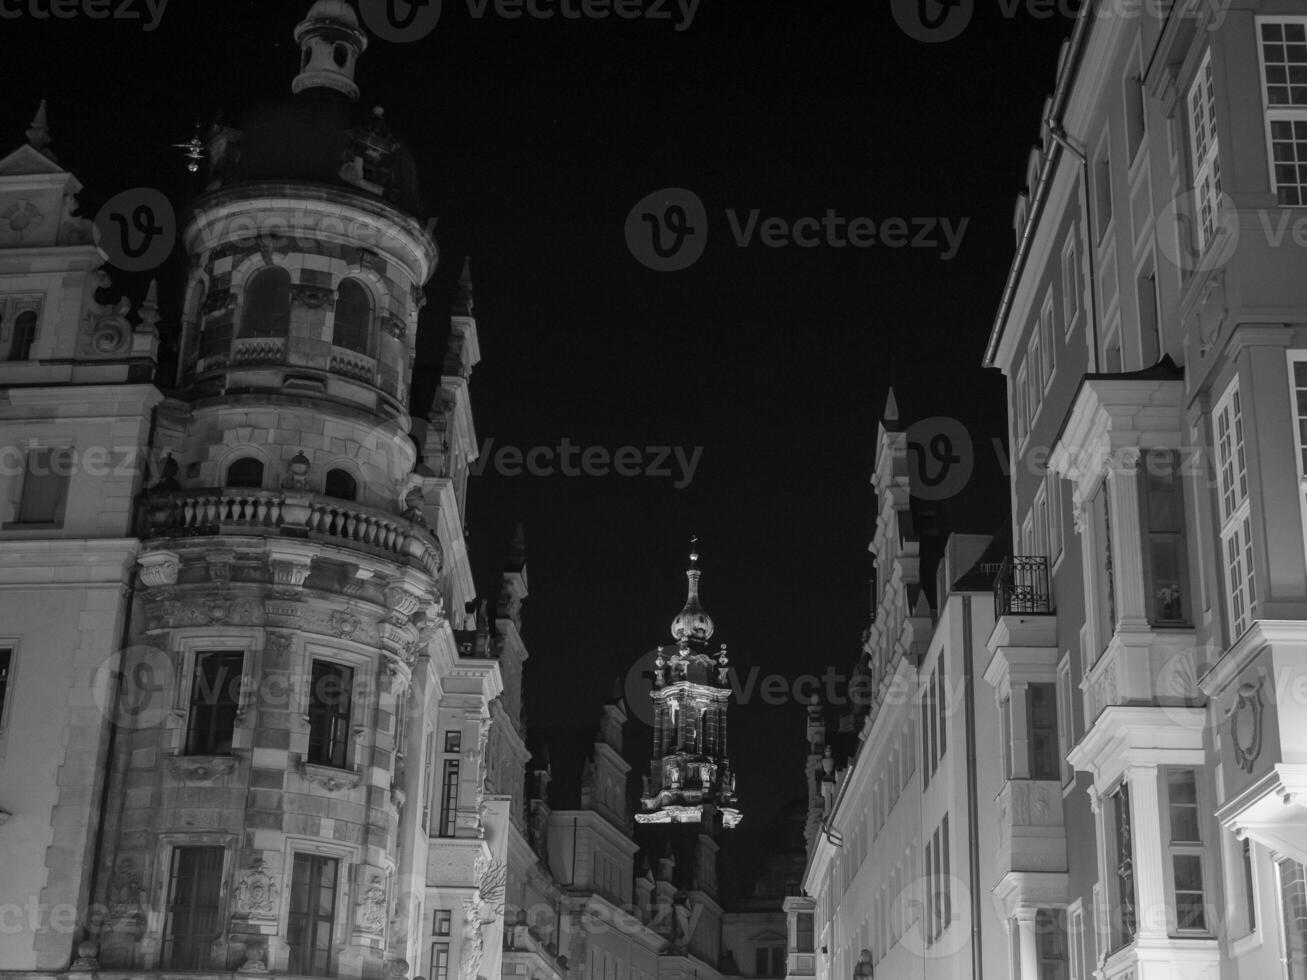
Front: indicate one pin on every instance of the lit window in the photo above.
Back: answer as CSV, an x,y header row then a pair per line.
x,y
1204,155
1284,78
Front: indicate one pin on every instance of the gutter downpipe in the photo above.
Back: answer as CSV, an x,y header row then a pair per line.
x,y
973,807
1060,92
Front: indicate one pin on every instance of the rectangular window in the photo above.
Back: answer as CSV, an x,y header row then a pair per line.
x,y
1166,560
1053,494
941,708
1021,406
215,702
803,932
1066,733
1035,359
1186,850
439,961
441,920
1236,521
44,491
1075,934
1105,606
6,666
449,790
1112,359
1051,942
1005,733
428,780
1204,155
1040,526
1041,730
329,713
310,927
193,921
1123,922
1249,888
1284,91
1293,912
1070,282
1047,336
1134,114
1103,194
1150,322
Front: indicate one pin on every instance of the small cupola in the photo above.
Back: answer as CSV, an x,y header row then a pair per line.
x,y
330,41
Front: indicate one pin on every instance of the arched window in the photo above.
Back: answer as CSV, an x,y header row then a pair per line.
x,y
341,485
353,317
24,335
246,473
267,304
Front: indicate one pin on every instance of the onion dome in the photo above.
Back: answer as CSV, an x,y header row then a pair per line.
x,y
693,621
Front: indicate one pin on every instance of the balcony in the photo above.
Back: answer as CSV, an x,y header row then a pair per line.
x,y
201,513
1021,587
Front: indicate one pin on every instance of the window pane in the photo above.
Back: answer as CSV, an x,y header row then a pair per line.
x,y
24,336
215,700
267,304
1188,871
194,885
1182,785
45,486
245,473
353,317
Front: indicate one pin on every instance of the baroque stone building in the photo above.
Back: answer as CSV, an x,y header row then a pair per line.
x,y
246,715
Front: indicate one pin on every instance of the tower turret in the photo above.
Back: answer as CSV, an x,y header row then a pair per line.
x,y
330,44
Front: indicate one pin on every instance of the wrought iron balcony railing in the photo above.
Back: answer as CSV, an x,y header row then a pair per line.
x,y
1022,588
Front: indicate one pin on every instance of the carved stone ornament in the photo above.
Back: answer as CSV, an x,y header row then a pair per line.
x,y
288,575
312,297
344,624
372,904
1246,725
256,895
159,569
201,768
393,326
329,778
20,218
126,891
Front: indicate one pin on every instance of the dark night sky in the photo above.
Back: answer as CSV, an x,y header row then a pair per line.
x,y
535,139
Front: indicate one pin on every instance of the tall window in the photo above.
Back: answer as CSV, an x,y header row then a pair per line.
x,y
440,928
1134,113
1105,605
1066,734
1035,363
803,932
24,336
769,961
449,785
1041,724
215,701
1166,562
1186,850
1204,155
266,311
428,779
330,700
311,924
1005,733
1048,337
1249,888
1284,77
1150,323
353,327
6,665
939,898
245,473
1075,934
1236,520
1293,909
1021,404
193,923
1051,942
1103,193
44,492
1053,493
1124,920
1070,282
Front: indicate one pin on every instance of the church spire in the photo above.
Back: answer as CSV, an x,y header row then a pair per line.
x,y
693,621
330,41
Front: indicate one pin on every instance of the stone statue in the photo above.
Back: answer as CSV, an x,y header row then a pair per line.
x,y
682,909
483,908
864,969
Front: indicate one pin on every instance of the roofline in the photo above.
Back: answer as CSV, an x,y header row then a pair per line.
x,y
1061,91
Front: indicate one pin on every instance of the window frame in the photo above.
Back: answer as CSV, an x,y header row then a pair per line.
x,y
1048,338
203,951
59,509
1187,850
1273,114
243,327
1204,149
1066,721
1180,538
237,705
8,675
1234,512
450,776
1071,289
351,719
12,307
365,329
339,889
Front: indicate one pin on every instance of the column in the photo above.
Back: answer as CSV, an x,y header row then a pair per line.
x,y
1027,944
1148,851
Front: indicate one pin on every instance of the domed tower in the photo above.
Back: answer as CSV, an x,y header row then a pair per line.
x,y
690,779
313,743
